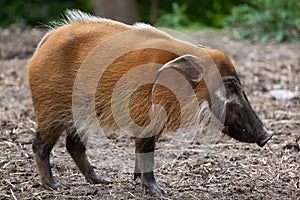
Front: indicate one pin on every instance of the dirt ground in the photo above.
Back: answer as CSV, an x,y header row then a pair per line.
x,y
231,169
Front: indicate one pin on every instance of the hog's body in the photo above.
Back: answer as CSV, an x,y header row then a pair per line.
x,y
53,72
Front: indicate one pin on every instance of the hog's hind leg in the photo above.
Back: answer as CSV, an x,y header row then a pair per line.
x,y
42,147
77,150
144,165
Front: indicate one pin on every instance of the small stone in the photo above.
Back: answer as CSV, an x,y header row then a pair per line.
x,y
282,94
26,139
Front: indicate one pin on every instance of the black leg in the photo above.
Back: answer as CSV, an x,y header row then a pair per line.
x,y
42,149
144,165
137,171
77,150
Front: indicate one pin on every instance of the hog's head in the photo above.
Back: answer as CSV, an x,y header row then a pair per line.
x,y
241,122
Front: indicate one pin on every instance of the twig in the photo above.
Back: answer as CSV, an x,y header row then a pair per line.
x,y
131,194
7,181
272,151
13,195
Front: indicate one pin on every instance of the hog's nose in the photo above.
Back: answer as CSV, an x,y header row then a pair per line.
x,y
266,136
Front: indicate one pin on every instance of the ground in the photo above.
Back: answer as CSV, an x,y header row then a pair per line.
x,y
230,170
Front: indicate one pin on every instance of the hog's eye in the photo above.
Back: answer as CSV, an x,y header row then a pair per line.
x,y
229,85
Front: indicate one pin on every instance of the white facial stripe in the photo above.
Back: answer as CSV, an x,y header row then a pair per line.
x,y
232,99
221,96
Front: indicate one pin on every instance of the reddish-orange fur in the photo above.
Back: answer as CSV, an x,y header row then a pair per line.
x,y
53,71
90,68
53,67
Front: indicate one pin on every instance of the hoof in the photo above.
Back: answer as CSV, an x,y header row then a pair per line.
x,y
153,189
52,185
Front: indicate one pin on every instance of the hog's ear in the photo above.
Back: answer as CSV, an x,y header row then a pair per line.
x,y
188,65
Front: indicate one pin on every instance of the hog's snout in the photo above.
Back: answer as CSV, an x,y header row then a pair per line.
x,y
265,138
